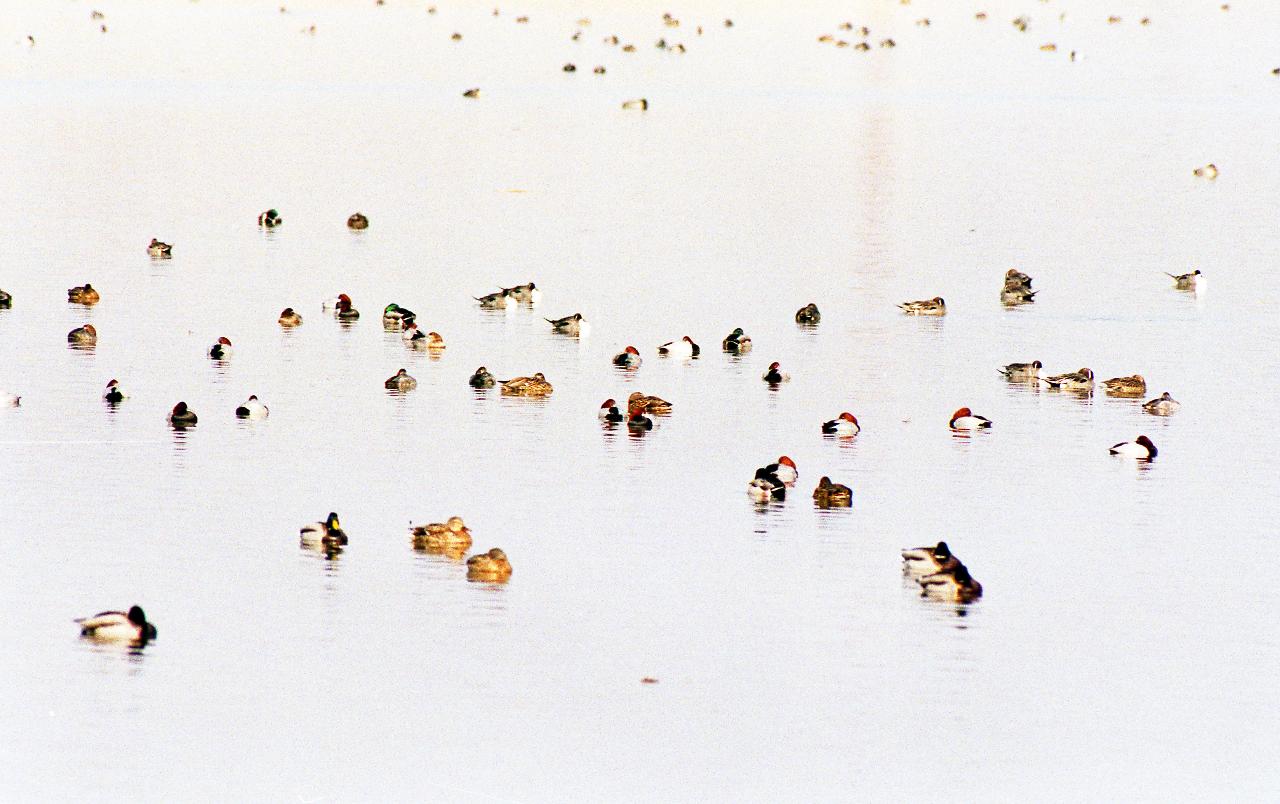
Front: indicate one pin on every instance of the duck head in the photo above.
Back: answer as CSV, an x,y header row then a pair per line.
x,y
737,333
224,341
849,417
1146,442
774,366
539,377
331,522
824,483
390,308
1036,364
137,616
180,409
286,312
785,461
941,551
89,329
631,350
961,413
455,524
608,403
114,383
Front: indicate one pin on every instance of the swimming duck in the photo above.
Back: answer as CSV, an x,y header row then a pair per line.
x,y
638,421
118,626
1126,386
536,385
1209,171
736,342
685,347
638,103
1081,380
766,486
934,306
357,221
1140,448
1185,281
158,249
85,335
252,409
808,314
955,585
182,416
85,294
1022,372
1162,406
606,406
832,495
328,534
400,381
922,561
846,424
482,379
394,316
963,419
627,358
345,311
526,294
648,404
113,395
270,219
450,535
569,325
785,469
474,92
491,566
773,376
6,300
221,350
435,342
288,318
493,301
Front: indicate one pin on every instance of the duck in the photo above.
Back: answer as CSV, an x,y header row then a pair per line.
x,y
400,381
606,406
474,92
493,301
832,495
569,325
648,404
808,314
1126,386
685,347
289,318
85,294
394,316
955,585
1017,294
1081,380
627,358
1022,372
536,385
182,416
328,534
1015,277
113,395
270,219
638,421
415,338
482,379
1162,405
252,409
638,103
1209,171
6,300
774,376
846,424
766,486
785,469
934,306
118,626
569,68
1185,281
736,342
345,311
357,221
221,350
450,535
612,415
85,335
963,419
158,249
491,566
525,294
1140,448
922,561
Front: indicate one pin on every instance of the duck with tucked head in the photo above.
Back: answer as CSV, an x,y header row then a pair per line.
x,y
182,416
569,325
685,347
648,404
964,419
785,469
270,219
846,424
832,495
934,306
627,358
766,486
1134,385
1185,281
345,311
921,561
400,381
394,316
85,294
113,395
451,535
808,315
1081,380
492,566
357,221
221,350
536,385
1140,448
1022,372
494,301
118,626
1163,405
955,585
159,250
327,534
736,342
85,336
252,409
774,375
289,318
482,379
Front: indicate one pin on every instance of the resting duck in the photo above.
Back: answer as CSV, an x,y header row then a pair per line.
x,y
450,535
648,404
85,335
1185,281
536,385
569,325
1209,171
400,381
685,347
1140,448
491,566
832,495
737,342
270,219
395,316
357,221
118,626
158,249
1018,294
525,294
328,534
627,358
934,306
956,585
416,339
345,311
1022,372
1135,385
474,92
289,318
252,409
6,300
785,469
1015,277
493,301
766,486
482,379
1081,380
1162,406
638,421
638,103
773,376
182,416
808,315
113,395
922,561
963,419
846,424
221,350
85,294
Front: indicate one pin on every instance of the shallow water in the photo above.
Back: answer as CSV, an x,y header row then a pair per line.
x,y
1124,646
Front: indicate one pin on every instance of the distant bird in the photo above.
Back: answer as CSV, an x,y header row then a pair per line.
x,y
159,250
289,318
599,70
964,419
8,400
737,342
785,469
1081,380
474,92
808,315
6,300
922,561
492,566
327,534
84,336
357,221
1140,448
118,626
1164,405
453,535
400,381
536,385
182,416
569,325
113,395
270,219
493,301
639,103
628,358
774,374
482,379
525,294
252,409
934,306
685,347
956,586
1209,171
85,294
1185,281
569,68
394,316
1022,372
221,350
846,424
345,311
1134,385
832,495
612,415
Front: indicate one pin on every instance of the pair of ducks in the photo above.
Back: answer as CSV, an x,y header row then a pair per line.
x,y
414,338
770,482
808,315
1017,289
638,405
535,386
270,219
940,574
520,294
683,348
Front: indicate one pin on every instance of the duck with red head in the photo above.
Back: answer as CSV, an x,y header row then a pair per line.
x,y
221,350
685,348
605,407
775,375
182,416
1140,448
627,358
785,469
345,311
963,419
83,336
113,395
846,424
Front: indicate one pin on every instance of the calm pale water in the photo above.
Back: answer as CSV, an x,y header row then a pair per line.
x,y
1126,645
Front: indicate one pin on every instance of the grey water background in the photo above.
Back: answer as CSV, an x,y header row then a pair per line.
x,y
1126,644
